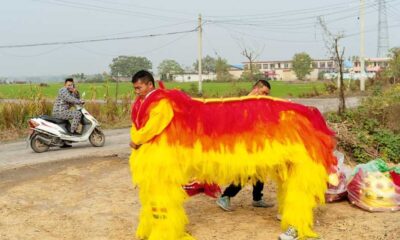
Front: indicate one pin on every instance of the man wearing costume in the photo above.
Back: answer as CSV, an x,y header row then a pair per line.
x,y
175,138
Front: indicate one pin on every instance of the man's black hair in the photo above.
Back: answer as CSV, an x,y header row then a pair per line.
x,y
143,76
68,80
263,82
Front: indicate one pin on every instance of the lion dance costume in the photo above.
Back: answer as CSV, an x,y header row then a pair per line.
x,y
224,141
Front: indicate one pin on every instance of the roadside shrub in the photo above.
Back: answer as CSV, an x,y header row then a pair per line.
x,y
330,87
354,85
372,130
313,93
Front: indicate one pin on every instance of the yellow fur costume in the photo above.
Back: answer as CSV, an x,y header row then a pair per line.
x,y
224,141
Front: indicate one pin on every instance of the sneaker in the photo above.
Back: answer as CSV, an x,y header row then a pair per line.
x,y
289,234
262,204
224,203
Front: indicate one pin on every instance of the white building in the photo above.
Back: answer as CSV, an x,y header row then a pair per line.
x,y
194,77
283,70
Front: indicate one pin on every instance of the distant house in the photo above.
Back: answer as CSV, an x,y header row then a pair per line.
x,y
372,65
283,70
123,79
19,82
236,70
352,68
194,77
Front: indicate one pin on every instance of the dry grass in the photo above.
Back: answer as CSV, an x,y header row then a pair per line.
x,y
14,115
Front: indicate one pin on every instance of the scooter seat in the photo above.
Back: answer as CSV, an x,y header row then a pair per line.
x,y
53,119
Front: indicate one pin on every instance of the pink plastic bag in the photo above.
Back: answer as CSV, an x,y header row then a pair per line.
x,y
374,189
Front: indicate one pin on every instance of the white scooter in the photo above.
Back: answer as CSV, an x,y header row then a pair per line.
x,y
46,132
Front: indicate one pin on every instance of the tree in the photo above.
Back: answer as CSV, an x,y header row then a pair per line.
x,y
126,66
302,65
393,69
332,45
222,69
3,80
79,76
252,72
168,68
207,63
95,78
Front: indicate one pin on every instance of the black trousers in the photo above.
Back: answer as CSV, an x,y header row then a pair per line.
x,y
232,190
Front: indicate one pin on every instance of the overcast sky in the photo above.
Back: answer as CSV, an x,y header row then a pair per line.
x,y
277,29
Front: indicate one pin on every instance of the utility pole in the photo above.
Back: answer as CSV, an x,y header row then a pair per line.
x,y
200,57
338,67
362,45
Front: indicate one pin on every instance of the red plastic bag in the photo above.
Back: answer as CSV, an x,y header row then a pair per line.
x,y
396,178
212,190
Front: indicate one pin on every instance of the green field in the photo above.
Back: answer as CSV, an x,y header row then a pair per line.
x,y
210,89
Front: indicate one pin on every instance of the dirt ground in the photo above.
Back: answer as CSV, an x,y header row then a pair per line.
x,y
94,199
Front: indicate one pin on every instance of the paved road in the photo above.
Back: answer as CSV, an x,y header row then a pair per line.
x,y
327,104
18,154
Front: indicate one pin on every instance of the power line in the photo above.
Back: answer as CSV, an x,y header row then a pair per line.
x,y
261,37
283,20
32,55
145,29
293,15
368,31
143,7
118,11
142,52
94,40
280,13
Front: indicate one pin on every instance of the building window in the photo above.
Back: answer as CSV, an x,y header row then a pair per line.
x,y
286,65
279,65
272,66
314,65
322,65
330,64
265,66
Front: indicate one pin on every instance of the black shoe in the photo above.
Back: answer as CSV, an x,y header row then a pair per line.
x,y
75,134
66,146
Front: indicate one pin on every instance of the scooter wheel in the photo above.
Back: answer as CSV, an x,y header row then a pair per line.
x,y
97,138
38,146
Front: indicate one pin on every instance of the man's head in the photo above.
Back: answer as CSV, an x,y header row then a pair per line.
x,y
143,83
262,87
69,83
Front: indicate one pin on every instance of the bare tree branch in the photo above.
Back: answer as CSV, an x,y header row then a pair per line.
x,y
332,45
